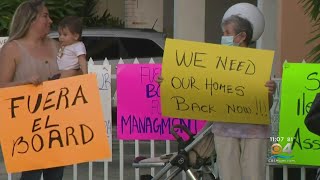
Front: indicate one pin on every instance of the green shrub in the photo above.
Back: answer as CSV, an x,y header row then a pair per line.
x,y
59,9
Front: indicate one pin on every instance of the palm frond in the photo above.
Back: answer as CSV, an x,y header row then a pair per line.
x,y
312,9
315,54
317,36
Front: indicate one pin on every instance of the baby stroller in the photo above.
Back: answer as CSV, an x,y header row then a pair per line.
x,y
197,154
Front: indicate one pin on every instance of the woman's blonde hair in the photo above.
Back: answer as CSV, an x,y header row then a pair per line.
x,y
24,15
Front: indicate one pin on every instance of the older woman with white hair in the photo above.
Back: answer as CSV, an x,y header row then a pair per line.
x,y
242,148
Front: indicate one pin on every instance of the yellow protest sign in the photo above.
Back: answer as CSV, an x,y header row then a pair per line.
x,y
215,82
55,124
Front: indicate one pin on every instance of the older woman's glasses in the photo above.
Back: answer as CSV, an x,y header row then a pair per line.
x,y
34,4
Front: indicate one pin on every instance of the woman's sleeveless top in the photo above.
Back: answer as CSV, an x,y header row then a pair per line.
x,y
30,66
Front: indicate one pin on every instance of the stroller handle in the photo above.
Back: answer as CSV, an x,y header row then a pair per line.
x,y
182,127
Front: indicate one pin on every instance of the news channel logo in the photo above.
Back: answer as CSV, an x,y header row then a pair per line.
x,y
278,153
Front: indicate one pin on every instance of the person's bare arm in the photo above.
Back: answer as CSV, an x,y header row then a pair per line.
x,y
271,85
83,63
8,60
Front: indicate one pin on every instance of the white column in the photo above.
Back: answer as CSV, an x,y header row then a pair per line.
x,y
269,39
269,9
189,20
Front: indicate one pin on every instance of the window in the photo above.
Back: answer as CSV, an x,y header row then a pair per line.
x,y
101,47
141,48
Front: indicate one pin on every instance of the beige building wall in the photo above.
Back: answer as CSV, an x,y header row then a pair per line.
x,y
269,38
144,14
189,20
287,27
115,7
293,30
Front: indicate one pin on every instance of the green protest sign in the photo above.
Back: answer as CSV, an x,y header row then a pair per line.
x,y
295,144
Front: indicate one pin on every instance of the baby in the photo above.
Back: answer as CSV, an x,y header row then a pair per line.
x,y
72,52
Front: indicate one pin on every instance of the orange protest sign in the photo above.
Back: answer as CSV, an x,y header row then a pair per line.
x,y
55,124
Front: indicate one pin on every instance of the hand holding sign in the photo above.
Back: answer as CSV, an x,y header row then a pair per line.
x,y
271,85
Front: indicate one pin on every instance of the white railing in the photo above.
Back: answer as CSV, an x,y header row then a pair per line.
x,y
108,170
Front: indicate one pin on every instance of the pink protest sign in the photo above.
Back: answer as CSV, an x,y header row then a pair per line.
x,y
138,105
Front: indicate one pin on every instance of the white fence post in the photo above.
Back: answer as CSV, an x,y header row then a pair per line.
x,y
136,143
121,154
152,151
